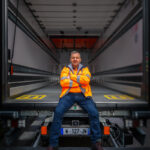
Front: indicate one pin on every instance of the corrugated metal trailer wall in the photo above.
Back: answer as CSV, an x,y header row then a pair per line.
x,y
32,59
118,63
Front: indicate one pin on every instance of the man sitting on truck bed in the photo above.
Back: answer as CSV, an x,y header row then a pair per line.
x,y
74,80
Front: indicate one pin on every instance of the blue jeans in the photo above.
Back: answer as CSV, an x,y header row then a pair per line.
x,y
64,104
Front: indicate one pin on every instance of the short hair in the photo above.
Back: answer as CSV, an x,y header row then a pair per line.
x,y
73,52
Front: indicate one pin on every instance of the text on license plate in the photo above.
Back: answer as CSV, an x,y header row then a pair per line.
x,y
75,131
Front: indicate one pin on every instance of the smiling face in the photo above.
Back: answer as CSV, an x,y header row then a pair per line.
x,y
75,59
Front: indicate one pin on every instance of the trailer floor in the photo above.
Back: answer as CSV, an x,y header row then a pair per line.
x,y
103,97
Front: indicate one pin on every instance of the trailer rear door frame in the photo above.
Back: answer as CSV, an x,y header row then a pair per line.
x,y
3,52
146,48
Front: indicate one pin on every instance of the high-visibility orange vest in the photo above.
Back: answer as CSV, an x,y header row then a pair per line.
x,y
71,81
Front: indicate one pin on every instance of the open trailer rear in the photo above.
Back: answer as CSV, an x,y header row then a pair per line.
x,y
37,38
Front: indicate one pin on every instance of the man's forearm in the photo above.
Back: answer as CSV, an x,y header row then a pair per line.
x,y
68,83
81,79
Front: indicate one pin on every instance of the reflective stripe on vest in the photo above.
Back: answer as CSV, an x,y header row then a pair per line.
x,y
82,89
88,75
64,78
71,83
78,79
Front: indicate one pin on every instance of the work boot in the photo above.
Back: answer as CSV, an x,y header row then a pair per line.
x,y
52,148
97,146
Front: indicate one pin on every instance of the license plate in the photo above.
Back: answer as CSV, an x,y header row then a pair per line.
x,y
75,131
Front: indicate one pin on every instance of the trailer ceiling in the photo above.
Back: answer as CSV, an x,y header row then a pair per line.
x,y
74,17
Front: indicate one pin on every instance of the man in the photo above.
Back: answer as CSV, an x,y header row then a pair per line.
x,y
74,80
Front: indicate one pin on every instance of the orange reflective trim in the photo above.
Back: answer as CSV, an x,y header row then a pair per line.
x,y
44,130
106,130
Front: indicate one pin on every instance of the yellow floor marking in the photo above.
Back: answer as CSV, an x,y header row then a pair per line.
x,y
31,97
119,97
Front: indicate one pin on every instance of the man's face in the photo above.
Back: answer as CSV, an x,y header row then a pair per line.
x,y
75,59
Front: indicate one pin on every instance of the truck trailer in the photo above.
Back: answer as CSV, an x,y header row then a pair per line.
x,y
37,37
